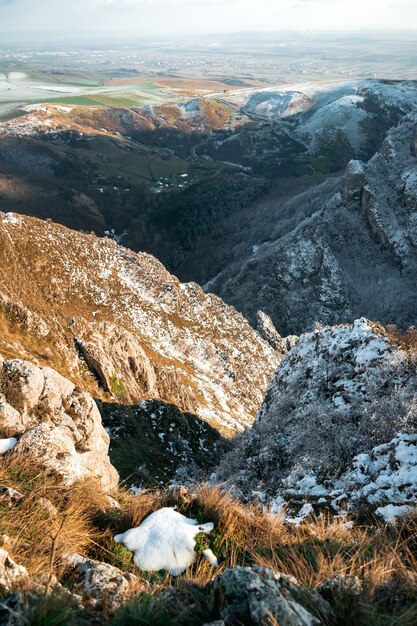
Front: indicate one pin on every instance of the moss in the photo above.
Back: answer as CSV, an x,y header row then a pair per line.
x,y
118,389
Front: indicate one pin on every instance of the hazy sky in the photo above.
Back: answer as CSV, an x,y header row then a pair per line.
x,y
171,17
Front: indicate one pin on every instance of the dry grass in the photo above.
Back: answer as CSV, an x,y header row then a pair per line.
x,y
82,521
46,507
406,340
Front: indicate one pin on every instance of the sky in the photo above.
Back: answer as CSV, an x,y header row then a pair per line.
x,y
194,17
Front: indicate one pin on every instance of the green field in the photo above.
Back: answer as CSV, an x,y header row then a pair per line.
x,y
140,165
66,79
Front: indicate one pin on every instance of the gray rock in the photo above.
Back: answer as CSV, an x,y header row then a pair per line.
x,y
11,609
100,584
252,595
267,330
353,180
60,426
11,574
338,393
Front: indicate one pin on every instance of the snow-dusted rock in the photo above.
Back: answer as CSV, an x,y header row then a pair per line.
x,y
339,392
164,540
11,574
255,595
99,584
353,179
120,323
58,425
267,331
351,251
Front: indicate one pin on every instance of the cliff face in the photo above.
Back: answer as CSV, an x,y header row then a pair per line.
x,y
356,253
339,392
119,325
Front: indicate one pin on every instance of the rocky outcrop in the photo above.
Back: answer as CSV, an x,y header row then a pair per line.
x,y
337,256
255,595
122,327
339,392
11,574
56,423
267,330
99,584
353,180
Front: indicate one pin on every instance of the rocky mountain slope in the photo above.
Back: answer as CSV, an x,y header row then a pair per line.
x,y
223,188
330,423
119,325
352,253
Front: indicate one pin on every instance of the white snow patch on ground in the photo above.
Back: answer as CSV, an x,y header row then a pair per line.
x,y
391,512
385,476
7,444
165,540
11,218
211,557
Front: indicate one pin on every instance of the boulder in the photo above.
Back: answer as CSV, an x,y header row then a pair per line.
x,y
100,584
254,595
58,424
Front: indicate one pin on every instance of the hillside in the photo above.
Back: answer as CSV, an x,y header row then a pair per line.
x,y
163,463
352,252
338,425
120,326
239,191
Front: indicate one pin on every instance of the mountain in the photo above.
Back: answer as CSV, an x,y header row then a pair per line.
x,y
330,426
243,191
120,326
339,254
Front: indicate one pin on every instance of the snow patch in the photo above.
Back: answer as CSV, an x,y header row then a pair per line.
x,y
165,540
7,444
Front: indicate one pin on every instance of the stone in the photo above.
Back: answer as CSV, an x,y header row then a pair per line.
x,y
11,574
22,383
60,425
253,595
267,330
100,584
10,610
10,418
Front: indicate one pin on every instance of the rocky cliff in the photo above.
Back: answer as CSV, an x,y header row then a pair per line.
x,y
120,326
352,253
340,392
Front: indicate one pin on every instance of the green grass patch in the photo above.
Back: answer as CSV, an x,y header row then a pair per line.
x,y
118,388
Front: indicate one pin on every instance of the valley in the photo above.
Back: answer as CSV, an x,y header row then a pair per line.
x,y
208,311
